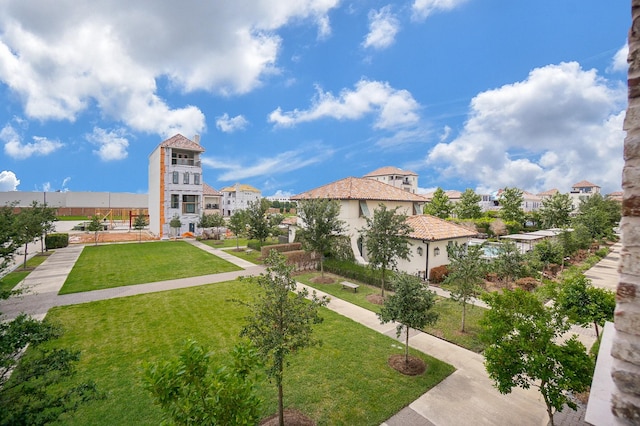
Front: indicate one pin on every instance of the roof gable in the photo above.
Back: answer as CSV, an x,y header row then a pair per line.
x,y
209,190
585,184
179,141
431,228
390,170
353,188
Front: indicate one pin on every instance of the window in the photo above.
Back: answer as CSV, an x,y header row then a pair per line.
x,y
364,209
176,177
175,199
188,204
196,178
185,178
436,251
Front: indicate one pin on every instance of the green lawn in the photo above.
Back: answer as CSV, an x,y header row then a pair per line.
x,y
346,381
10,280
231,242
450,313
116,265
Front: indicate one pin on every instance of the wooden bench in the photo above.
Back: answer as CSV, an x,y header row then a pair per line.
x,y
347,284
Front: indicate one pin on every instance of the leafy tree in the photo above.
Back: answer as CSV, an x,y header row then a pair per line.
x,y
276,204
585,304
509,262
214,220
321,225
468,207
9,242
261,225
138,224
466,272
440,206
525,349
238,225
556,211
29,225
281,322
95,225
511,200
191,390
386,239
548,252
599,215
175,225
410,306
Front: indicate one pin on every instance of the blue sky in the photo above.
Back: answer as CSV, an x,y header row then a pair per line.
x,y
294,94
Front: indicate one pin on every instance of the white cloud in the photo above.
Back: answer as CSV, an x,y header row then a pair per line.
x,y
282,163
393,108
423,8
559,126
14,147
619,63
97,52
227,124
113,144
383,27
281,194
8,181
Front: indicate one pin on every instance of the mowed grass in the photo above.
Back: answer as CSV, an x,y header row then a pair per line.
x,y
449,312
345,381
116,265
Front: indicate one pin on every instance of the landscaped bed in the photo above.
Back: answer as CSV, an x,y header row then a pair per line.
x,y
115,265
344,381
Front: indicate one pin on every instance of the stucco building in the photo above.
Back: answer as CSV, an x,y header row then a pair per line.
x,y
238,197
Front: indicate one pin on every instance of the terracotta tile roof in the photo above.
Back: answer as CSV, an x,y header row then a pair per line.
x,y
548,193
390,170
209,190
353,188
431,228
239,187
451,194
584,184
179,141
290,220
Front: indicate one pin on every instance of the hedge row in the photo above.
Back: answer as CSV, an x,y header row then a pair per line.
x,y
280,248
357,272
54,241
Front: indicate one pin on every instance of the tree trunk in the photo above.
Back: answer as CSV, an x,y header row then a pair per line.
x,y
406,347
464,314
281,405
595,324
24,265
547,403
321,266
382,285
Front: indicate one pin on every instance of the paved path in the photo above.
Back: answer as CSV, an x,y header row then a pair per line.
x,y
466,397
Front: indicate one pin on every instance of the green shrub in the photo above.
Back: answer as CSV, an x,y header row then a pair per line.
x,y
353,271
54,241
602,253
254,244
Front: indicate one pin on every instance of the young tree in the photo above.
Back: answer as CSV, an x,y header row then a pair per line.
x,y
139,225
466,272
468,207
525,349
511,202
410,306
386,239
261,226
191,390
29,226
213,220
599,215
556,211
509,262
280,323
584,304
47,219
95,225
440,206
9,243
175,225
320,225
238,225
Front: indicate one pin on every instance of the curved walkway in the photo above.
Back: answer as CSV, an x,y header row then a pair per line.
x,y
465,397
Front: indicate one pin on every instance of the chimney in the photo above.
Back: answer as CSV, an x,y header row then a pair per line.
x,y
196,139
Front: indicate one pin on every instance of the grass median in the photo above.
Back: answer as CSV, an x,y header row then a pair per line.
x,y
346,380
9,281
449,312
116,265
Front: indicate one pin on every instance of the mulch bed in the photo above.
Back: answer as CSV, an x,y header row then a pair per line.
x,y
414,367
323,280
291,418
375,299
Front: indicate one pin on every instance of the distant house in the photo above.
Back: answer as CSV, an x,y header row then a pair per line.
x,y
212,200
429,241
175,184
581,191
547,194
403,179
238,197
359,197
